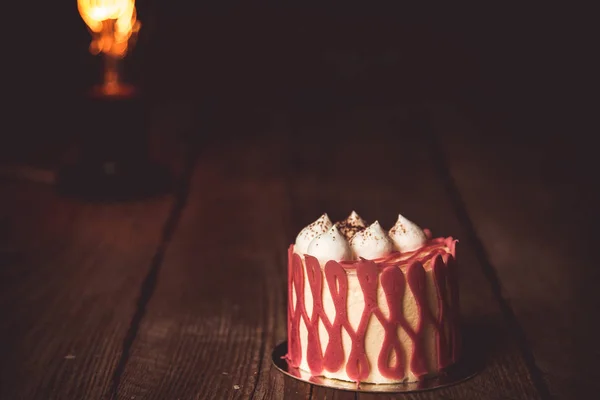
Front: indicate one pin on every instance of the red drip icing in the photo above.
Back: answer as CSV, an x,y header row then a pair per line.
x,y
358,367
440,279
314,354
415,276
394,273
450,262
338,286
295,279
393,284
451,273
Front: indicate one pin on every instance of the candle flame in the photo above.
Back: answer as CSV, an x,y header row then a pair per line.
x,y
113,23
114,26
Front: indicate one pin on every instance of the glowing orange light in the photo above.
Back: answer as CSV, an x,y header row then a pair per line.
x,y
114,26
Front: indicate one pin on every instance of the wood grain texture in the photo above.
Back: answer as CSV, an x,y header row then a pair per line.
x,y
530,192
70,275
219,307
379,164
214,319
319,392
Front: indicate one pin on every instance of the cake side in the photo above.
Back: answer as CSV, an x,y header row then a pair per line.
x,y
386,320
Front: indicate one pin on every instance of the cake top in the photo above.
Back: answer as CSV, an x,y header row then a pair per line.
x,y
353,238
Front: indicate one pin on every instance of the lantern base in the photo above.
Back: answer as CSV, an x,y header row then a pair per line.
x,y
113,161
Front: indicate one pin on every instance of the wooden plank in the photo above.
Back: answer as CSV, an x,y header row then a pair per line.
x,y
220,304
75,276
319,392
378,164
70,274
530,194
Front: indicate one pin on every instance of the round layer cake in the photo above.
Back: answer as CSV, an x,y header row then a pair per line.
x,y
366,305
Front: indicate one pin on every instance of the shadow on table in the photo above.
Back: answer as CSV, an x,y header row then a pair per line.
x,y
482,340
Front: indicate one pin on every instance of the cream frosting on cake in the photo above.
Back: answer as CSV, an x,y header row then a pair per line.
x,y
367,305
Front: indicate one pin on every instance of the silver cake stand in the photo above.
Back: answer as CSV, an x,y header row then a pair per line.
x,y
459,372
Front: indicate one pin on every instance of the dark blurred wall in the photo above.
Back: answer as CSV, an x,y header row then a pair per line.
x,y
306,55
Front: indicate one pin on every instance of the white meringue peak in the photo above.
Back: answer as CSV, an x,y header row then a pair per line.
x,y
331,245
311,231
372,242
354,223
406,235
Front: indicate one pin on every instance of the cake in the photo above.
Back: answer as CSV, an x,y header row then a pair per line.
x,y
372,306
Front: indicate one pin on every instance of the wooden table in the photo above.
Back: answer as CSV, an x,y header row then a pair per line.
x,y
184,296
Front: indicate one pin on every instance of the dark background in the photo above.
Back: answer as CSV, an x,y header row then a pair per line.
x,y
528,67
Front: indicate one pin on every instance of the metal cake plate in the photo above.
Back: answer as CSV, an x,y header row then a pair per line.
x,y
459,372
